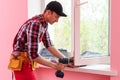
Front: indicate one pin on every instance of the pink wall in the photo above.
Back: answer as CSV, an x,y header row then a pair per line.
x,y
49,74
12,14
115,38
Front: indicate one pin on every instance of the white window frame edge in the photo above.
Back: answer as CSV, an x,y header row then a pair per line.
x,y
75,49
34,9
42,3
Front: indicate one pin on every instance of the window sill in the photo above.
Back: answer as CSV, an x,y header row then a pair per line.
x,y
93,69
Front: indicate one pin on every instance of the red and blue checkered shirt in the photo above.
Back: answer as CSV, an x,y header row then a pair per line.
x,y
30,34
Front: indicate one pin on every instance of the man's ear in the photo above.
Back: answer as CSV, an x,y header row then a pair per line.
x,y
48,11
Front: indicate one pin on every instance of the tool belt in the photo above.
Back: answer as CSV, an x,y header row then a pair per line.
x,y
15,62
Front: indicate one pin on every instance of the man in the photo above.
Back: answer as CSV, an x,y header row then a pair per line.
x,y
32,32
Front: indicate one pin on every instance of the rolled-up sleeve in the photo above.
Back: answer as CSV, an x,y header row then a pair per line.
x,y
46,40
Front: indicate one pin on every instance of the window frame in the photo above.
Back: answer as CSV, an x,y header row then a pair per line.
x,y
76,38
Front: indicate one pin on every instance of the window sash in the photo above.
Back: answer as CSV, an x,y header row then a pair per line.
x,y
76,39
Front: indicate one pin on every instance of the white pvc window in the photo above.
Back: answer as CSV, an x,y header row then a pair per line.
x,y
86,29
91,31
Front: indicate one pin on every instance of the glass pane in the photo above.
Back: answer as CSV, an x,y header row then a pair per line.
x,y
60,32
94,28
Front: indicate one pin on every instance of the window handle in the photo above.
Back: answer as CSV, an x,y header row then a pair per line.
x,y
79,4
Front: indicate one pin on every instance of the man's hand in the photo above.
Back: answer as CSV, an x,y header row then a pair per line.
x,y
60,66
71,63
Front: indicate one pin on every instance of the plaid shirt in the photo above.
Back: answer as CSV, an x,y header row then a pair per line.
x,y
30,34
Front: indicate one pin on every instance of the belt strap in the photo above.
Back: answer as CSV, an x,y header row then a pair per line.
x,y
12,76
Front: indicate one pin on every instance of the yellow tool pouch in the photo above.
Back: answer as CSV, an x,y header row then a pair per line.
x,y
15,64
34,65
